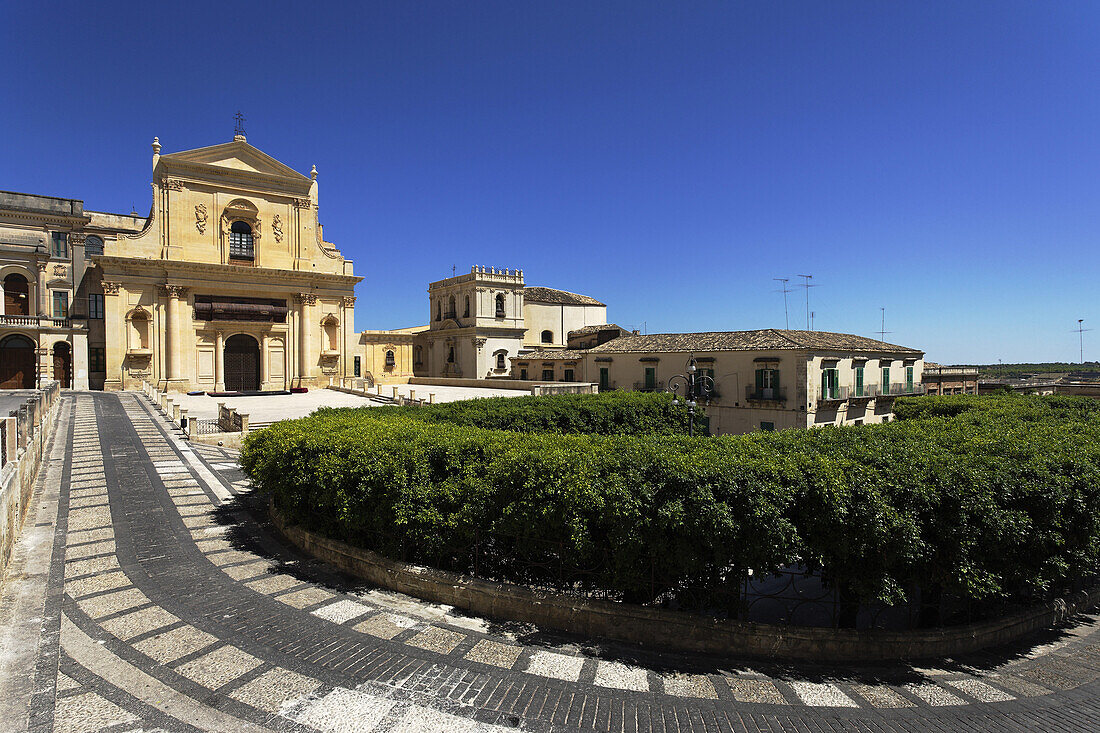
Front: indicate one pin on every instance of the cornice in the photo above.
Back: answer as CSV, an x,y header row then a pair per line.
x,y
113,265
26,215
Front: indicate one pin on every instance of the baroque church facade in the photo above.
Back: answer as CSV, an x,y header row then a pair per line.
x,y
227,285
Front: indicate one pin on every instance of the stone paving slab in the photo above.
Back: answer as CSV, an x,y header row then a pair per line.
x,y
174,584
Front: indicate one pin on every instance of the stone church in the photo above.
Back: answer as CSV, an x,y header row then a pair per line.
x,y
227,285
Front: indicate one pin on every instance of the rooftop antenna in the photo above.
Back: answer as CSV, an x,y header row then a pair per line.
x,y
784,289
238,125
454,268
812,314
1081,336
882,329
807,284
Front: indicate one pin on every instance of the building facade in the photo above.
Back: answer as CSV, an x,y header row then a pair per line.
x,y
942,380
227,285
52,324
764,380
480,320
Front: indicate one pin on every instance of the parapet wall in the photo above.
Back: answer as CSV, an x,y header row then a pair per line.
x,y
674,630
23,435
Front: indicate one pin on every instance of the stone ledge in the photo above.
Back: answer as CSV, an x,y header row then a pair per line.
x,y
672,630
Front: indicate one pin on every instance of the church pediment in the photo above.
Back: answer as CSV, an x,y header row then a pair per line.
x,y
236,155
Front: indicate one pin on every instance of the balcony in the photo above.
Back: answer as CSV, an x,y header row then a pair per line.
x,y
772,394
866,392
654,387
904,390
836,394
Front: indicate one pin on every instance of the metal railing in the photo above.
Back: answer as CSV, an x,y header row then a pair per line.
x,y
903,389
773,394
834,394
644,387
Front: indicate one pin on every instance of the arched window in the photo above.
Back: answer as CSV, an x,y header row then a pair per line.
x,y
16,296
548,337
451,307
418,355
500,362
500,305
93,245
439,310
391,362
240,241
466,312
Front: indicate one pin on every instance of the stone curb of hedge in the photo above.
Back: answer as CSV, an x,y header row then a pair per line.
x,y
674,630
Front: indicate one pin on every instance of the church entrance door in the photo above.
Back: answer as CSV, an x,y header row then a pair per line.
x,y
242,364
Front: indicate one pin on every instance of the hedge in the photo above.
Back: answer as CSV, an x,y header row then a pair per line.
x,y
985,499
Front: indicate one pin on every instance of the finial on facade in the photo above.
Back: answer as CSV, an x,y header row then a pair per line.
x,y
238,128
156,146
313,173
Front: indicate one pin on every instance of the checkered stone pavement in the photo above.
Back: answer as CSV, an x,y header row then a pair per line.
x,y
166,601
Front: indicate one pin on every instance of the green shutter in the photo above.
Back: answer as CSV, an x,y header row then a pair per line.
x,y
775,379
759,379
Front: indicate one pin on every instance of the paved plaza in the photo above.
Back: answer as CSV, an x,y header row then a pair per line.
x,y
269,408
149,593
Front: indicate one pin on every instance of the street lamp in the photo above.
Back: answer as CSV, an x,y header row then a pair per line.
x,y
696,387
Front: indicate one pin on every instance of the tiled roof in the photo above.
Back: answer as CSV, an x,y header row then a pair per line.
x,y
767,339
536,294
596,329
551,354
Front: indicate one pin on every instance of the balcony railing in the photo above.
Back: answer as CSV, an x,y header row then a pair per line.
x,y
652,387
865,392
835,394
35,321
773,394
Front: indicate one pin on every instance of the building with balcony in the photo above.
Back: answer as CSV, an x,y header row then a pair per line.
x,y
227,284
52,322
764,380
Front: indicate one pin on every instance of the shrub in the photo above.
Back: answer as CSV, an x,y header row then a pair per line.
x,y
984,499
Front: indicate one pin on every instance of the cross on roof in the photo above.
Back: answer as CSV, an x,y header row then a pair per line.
x,y
238,127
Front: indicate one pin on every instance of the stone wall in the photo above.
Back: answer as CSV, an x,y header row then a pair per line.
x,y
23,436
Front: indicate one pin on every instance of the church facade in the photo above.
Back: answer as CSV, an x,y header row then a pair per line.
x,y
227,285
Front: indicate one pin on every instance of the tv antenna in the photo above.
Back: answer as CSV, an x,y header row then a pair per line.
x,y
807,284
882,329
1081,336
784,289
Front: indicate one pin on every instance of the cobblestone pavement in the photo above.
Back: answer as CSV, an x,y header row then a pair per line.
x,y
148,593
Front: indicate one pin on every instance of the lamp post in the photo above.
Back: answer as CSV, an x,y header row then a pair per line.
x,y
696,387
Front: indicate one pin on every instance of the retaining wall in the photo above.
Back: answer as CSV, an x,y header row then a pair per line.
x,y
665,629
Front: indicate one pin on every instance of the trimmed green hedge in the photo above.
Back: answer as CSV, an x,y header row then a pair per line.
x,y
982,498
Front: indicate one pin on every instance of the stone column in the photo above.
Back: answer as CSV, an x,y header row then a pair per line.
x,y
264,373
115,325
347,324
306,357
172,334
219,351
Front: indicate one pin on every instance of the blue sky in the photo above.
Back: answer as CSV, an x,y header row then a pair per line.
x,y
936,158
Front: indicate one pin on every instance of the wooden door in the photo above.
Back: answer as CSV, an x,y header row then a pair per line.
x,y
17,363
63,367
242,364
